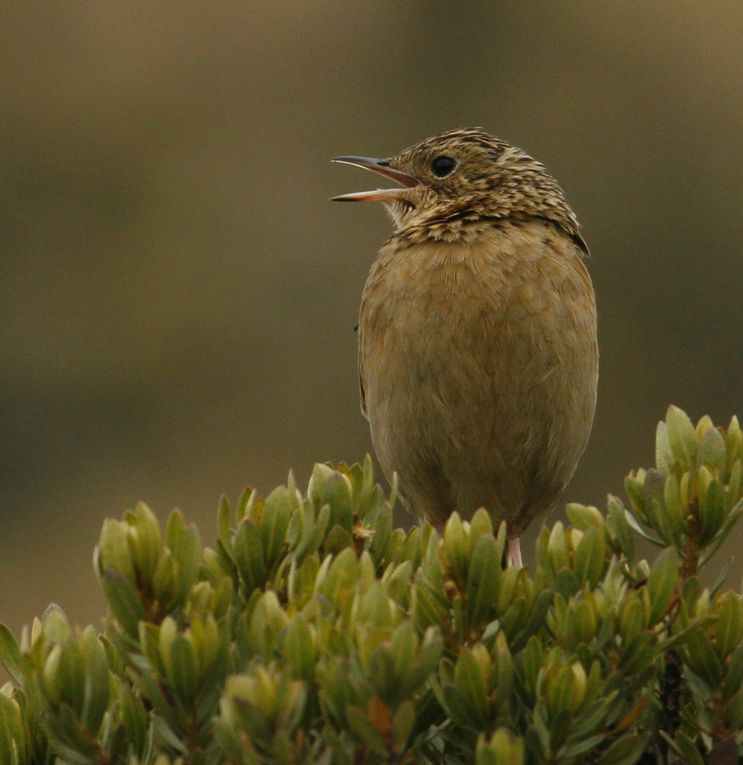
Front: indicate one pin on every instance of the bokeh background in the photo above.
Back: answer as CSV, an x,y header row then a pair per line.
x,y
177,297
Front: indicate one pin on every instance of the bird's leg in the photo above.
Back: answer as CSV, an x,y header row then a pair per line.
x,y
513,554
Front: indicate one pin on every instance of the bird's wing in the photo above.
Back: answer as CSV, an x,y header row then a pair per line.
x,y
360,361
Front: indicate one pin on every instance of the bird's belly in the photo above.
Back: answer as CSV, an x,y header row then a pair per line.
x,y
480,387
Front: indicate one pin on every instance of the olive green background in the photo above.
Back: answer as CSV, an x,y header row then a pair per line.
x,y
178,298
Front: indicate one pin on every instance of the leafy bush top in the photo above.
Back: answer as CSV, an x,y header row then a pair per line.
x,y
314,632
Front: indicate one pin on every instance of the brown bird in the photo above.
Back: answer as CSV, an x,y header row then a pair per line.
x,y
478,359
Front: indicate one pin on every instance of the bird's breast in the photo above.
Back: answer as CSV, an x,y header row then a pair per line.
x,y
479,326
478,365
458,295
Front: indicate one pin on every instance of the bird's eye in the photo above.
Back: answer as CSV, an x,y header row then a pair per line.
x,y
442,166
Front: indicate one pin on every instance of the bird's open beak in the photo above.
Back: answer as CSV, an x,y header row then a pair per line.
x,y
381,167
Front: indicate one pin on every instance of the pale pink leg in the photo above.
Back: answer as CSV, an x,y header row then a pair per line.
x,y
513,555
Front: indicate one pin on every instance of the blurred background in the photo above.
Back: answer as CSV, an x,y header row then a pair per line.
x,y
177,297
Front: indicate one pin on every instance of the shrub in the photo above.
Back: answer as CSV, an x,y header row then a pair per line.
x,y
315,632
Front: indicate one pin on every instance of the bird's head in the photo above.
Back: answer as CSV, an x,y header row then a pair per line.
x,y
463,176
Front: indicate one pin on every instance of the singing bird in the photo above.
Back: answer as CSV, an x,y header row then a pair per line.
x,y
477,351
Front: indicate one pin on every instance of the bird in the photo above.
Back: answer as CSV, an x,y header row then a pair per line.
x,y
477,334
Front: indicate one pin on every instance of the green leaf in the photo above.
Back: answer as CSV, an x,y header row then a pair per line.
x,y
97,682
528,663
638,653
631,618
712,450
635,526
734,481
185,545
471,681
224,523
662,583
681,436
144,540
375,608
182,672
274,523
123,601
729,625
329,487
618,527
337,539
113,549
734,711
626,750
661,521
535,620
514,617
672,505
507,583
12,732
403,723
664,458
685,748
581,620
299,650
381,522
584,517
313,530
558,693
248,553
557,549
456,547
701,657
165,733
584,745
245,504
163,580
502,749
635,489
133,715
482,580
590,556
734,676
480,524
339,583
301,580
684,634
398,582
149,645
505,671
566,583
404,647
364,729
10,655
